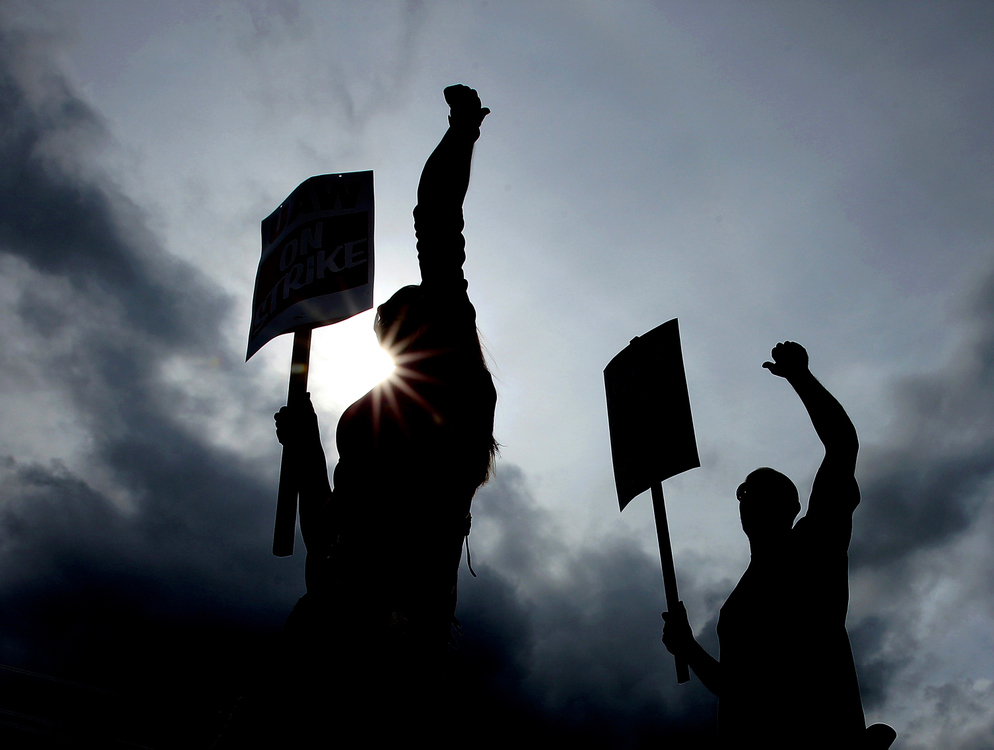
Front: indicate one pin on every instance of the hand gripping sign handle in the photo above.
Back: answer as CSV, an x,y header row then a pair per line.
x,y
286,502
669,573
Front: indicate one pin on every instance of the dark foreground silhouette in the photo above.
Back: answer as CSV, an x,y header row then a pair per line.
x,y
786,677
365,648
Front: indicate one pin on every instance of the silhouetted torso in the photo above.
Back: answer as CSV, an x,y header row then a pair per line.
x,y
411,454
788,674
413,451
367,643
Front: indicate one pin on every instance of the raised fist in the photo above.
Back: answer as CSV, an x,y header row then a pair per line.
x,y
789,360
465,107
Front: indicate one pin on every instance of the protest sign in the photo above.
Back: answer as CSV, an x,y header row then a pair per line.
x,y
652,433
317,258
316,269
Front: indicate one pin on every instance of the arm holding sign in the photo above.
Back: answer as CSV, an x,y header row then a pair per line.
x,y
678,637
297,430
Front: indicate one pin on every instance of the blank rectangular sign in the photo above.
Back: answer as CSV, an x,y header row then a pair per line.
x,y
648,412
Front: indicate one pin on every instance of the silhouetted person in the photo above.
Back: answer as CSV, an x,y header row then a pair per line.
x,y
786,677
383,547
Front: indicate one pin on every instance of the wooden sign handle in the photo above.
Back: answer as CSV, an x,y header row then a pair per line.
x,y
669,572
286,500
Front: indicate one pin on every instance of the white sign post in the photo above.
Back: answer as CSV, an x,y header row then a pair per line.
x,y
316,269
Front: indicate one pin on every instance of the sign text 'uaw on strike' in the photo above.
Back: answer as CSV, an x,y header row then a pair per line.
x,y
317,257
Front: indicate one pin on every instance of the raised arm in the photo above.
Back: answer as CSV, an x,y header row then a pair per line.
x,y
438,219
834,428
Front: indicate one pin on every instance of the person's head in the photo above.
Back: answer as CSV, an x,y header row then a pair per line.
x,y
768,504
399,320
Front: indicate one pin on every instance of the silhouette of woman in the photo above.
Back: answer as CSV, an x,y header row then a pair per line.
x,y
383,548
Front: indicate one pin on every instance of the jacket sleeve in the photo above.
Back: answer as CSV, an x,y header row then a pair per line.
x,y
438,224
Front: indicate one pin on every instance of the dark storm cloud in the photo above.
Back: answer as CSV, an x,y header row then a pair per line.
x,y
923,493
73,229
929,486
958,714
176,595
575,631
876,669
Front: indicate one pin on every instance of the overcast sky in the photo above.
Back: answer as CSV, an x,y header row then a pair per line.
x,y
820,172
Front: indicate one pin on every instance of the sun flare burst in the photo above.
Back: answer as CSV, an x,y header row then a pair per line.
x,y
346,362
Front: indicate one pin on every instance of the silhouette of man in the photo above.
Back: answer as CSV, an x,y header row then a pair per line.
x,y
369,638
786,677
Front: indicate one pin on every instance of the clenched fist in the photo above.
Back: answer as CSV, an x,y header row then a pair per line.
x,y
789,360
465,107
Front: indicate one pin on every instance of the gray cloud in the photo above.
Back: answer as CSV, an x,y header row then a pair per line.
x,y
174,584
576,630
164,573
926,493
75,229
929,485
348,83
959,714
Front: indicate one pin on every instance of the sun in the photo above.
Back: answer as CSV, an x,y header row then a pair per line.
x,y
346,362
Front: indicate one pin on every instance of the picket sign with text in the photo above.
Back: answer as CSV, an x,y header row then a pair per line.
x,y
316,269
